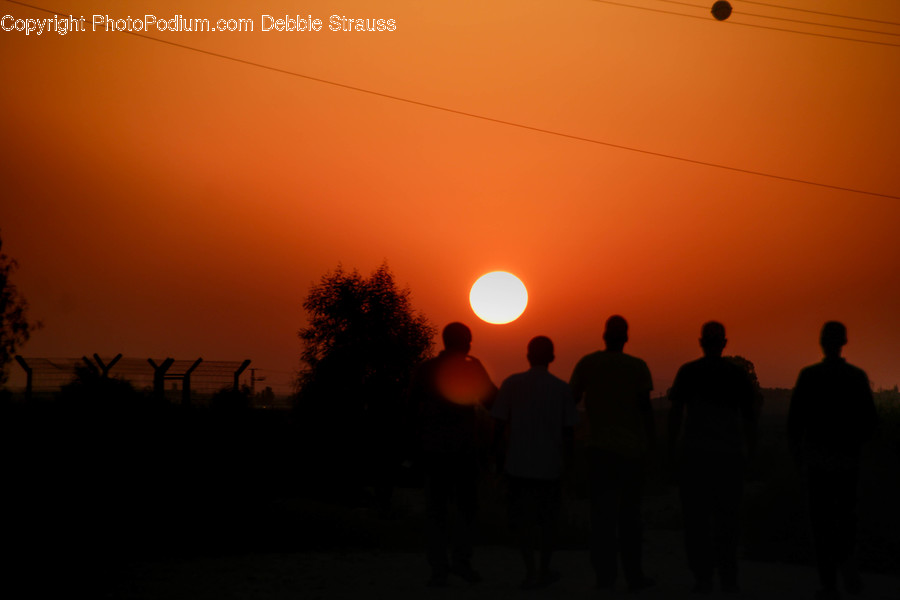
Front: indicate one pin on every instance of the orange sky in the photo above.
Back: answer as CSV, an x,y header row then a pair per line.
x,y
164,202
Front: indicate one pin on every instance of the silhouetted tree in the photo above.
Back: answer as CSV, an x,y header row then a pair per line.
x,y
750,369
363,334
360,348
91,394
14,326
229,399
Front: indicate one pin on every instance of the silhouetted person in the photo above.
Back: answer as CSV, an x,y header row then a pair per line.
x,y
831,415
537,406
715,398
616,391
448,390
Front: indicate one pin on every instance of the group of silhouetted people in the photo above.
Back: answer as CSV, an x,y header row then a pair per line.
x,y
711,433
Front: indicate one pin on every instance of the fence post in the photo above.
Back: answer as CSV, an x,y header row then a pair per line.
x,y
237,373
159,377
28,376
186,383
90,365
105,369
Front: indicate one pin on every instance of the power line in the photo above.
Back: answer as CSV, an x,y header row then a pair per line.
x,y
493,119
754,25
817,12
657,10
822,35
860,29
787,20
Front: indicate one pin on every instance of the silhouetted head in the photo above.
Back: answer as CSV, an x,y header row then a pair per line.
x,y
833,338
457,338
540,351
712,338
616,333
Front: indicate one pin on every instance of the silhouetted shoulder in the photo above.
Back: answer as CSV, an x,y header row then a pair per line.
x,y
426,366
588,359
855,373
514,381
637,364
832,407
557,381
709,364
710,377
605,365
833,372
526,378
473,361
689,367
686,375
559,386
602,357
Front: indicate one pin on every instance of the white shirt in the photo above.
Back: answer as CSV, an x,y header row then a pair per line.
x,y
537,405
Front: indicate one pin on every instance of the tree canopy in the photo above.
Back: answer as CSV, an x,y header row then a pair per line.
x,y
363,339
361,346
14,326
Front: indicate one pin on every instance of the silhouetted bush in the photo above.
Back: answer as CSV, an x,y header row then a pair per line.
x,y
15,329
361,346
229,399
90,391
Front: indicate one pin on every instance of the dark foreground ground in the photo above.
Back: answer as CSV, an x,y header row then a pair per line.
x,y
399,575
309,549
354,552
156,502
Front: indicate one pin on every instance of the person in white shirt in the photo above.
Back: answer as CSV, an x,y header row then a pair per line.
x,y
535,409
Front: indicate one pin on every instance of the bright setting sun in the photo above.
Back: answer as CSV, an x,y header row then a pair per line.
x,y
498,297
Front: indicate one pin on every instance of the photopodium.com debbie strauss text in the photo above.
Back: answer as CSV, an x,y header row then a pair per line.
x,y
63,25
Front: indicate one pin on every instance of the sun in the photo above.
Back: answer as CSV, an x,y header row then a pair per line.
x,y
498,297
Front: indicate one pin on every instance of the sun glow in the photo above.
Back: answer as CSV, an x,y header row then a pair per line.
x,y
498,297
